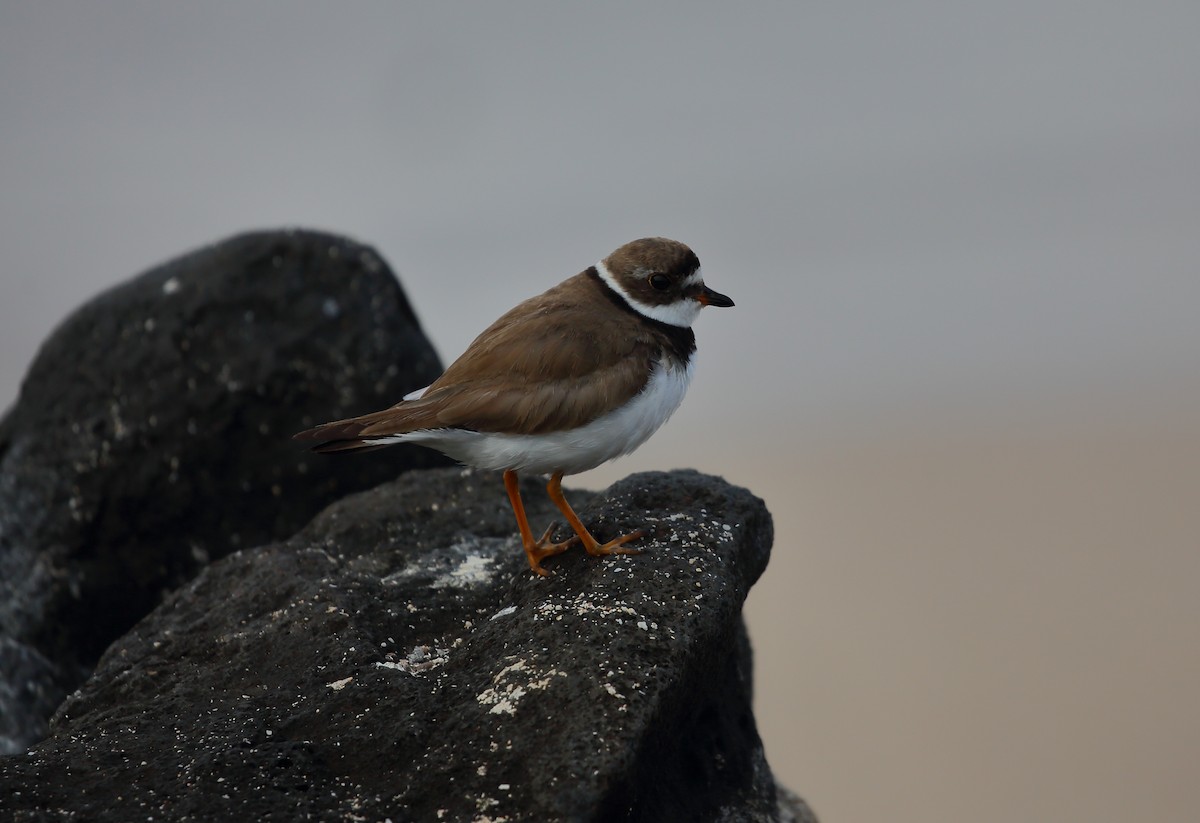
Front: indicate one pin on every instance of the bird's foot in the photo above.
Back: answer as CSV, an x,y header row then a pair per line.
x,y
543,548
616,545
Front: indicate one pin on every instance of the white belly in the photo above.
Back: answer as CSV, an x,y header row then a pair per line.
x,y
617,433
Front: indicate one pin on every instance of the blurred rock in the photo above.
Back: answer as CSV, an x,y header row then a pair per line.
x,y
151,435
397,660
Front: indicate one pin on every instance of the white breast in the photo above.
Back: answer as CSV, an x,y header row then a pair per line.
x,y
576,450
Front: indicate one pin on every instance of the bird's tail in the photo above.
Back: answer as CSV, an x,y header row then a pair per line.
x,y
355,445
365,432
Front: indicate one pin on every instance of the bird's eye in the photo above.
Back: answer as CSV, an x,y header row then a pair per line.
x,y
660,282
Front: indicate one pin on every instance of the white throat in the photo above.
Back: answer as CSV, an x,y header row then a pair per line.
x,y
681,313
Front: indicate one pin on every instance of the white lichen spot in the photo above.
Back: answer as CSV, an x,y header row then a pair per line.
x,y
503,697
330,308
611,689
474,570
120,430
171,286
420,659
338,685
505,612
370,262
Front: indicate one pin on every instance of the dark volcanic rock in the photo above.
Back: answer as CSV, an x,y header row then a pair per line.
x,y
397,660
151,434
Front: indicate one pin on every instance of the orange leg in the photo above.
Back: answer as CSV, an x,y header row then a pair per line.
x,y
535,550
614,546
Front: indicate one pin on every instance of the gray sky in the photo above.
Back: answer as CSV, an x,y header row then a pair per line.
x,y
912,205
973,229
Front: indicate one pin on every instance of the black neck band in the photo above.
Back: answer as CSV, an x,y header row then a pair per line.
x,y
680,341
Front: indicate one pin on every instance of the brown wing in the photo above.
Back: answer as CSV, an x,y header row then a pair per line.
x,y
554,362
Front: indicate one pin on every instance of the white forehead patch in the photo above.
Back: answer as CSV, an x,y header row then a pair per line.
x,y
681,313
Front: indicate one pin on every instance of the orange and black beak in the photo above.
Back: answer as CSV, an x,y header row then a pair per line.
x,y
708,297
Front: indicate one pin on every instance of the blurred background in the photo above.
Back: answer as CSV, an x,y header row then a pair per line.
x,y
964,366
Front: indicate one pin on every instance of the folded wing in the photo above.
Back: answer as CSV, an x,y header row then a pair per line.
x,y
543,367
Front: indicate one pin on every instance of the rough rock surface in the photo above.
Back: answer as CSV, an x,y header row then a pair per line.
x,y
397,660
151,435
